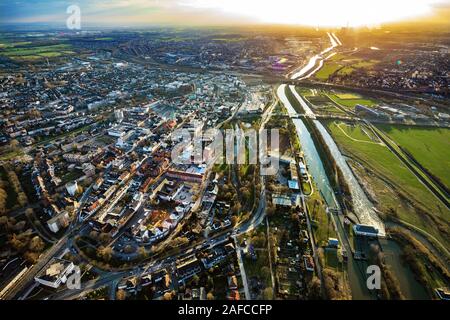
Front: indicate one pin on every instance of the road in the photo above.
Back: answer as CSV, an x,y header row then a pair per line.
x,y
256,219
86,287
259,214
16,288
242,269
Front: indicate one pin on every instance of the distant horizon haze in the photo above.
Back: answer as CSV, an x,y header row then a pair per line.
x,y
318,13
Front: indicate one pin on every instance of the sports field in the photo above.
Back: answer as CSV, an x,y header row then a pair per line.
x,y
429,146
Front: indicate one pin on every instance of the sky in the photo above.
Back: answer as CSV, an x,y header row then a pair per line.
x,y
219,12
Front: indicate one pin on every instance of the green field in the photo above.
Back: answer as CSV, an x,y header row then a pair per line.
x,y
332,110
7,44
354,142
342,64
357,133
346,71
351,101
35,52
322,223
429,146
327,70
347,96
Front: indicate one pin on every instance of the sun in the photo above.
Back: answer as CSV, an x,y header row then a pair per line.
x,y
319,12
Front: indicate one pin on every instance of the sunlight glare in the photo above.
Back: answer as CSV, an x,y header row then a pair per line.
x,y
319,12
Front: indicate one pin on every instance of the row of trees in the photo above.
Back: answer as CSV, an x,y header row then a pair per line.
x,y
22,199
24,243
3,197
14,183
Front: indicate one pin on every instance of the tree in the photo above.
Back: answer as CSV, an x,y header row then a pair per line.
x,y
128,249
36,244
104,237
105,253
4,221
245,193
236,208
259,241
93,235
29,213
22,199
3,196
31,257
182,241
210,296
314,289
121,294
167,296
268,293
270,210
265,272
195,279
14,144
142,253
34,113
19,226
17,243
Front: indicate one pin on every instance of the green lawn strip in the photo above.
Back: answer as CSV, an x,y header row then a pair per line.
x,y
28,51
322,224
351,103
11,155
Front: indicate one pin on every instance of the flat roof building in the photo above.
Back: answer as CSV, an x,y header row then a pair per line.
x,y
55,273
365,230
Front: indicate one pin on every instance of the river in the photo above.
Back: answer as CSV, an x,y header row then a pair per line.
x,y
363,207
361,204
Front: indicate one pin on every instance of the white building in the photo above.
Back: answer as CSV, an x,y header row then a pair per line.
x,y
61,220
56,272
119,115
72,188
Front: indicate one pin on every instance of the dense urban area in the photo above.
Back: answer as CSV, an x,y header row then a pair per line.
x,y
90,121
